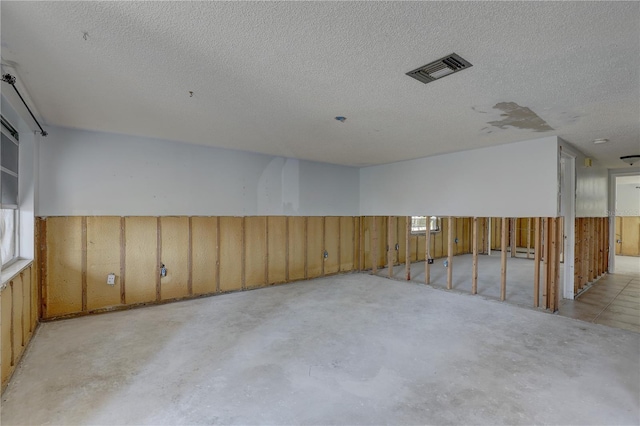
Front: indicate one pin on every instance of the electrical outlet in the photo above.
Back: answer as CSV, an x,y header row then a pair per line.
x,y
111,279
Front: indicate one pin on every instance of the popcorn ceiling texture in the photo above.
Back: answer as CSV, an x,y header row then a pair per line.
x,y
271,77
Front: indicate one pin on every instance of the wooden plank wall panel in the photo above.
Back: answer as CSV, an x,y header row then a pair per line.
x,y
297,248
315,249
103,258
17,318
204,254
175,256
230,253
6,339
421,241
141,244
64,266
277,248
332,244
255,229
348,240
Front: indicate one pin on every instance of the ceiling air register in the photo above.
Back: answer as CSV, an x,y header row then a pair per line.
x,y
443,67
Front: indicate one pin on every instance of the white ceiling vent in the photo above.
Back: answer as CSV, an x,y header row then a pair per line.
x,y
441,68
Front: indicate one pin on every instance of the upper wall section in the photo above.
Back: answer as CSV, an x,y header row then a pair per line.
x,y
592,183
93,173
514,180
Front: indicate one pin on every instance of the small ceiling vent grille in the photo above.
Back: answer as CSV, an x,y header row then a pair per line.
x,y
441,68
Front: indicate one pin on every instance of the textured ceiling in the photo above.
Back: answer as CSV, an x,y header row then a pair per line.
x,y
270,77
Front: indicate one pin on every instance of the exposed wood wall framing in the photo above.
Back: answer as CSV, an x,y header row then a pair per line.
x,y
551,239
18,319
536,259
503,259
591,250
203,256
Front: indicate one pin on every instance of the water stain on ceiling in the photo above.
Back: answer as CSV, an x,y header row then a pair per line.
x,y
519,117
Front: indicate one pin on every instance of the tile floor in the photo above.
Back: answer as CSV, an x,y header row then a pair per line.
x,y
614,300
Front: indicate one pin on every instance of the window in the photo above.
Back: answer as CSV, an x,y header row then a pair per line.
x,y
419,224
8,194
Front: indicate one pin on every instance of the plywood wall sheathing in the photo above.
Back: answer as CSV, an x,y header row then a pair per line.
x,y
204,251
255,251
17,319
103,258
141,259
332,245
6,341
175,243
315,249
277,249
230,253
83,241
64,265
348,243
297,248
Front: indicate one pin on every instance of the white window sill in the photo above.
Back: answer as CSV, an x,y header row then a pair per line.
x,y
11,271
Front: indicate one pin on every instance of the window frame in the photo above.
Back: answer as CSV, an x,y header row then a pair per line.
x,y
9,131
437,220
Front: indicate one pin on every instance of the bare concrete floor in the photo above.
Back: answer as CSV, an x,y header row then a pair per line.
x,y
352,349
519,276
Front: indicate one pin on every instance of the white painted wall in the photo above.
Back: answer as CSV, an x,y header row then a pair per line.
x,y
627,199
93,173
514,180
592,185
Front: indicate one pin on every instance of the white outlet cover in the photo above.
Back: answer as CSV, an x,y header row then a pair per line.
x,y
111,279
